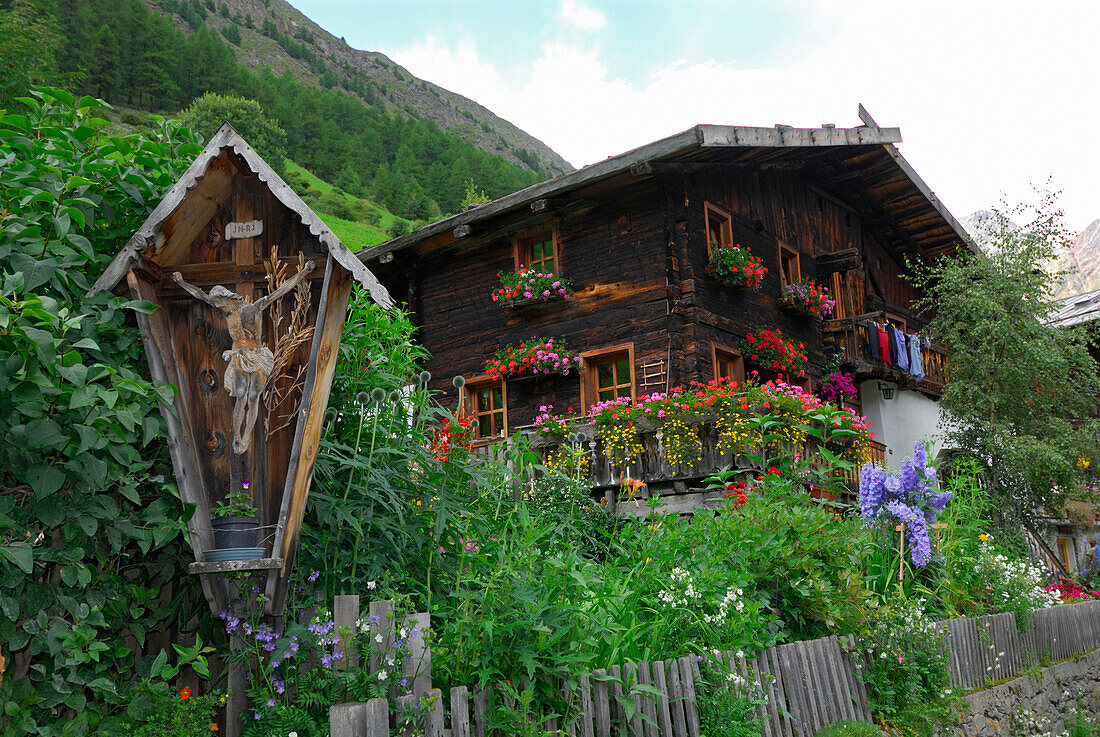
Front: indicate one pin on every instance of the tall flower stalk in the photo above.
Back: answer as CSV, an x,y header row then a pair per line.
x,y
912,497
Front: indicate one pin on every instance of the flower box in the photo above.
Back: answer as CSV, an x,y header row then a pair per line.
x,y
527,288
533,357
769,350
735,266
807,297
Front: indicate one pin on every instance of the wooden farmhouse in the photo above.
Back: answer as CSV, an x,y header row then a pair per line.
x,y
634,233
251,291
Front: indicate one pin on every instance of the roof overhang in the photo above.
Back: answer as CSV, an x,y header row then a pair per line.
x,y
149,234
858,167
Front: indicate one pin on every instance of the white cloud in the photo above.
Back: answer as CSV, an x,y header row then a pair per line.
x,y
988,101
580,15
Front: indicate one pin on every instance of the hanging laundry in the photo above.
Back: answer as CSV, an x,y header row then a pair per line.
x,y
883,344
916,363
898,347
872,341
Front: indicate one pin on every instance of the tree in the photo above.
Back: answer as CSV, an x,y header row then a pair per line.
x,y
349,180
28,43
1019,390
473,195
206,114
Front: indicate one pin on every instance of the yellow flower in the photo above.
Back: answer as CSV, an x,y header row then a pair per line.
x,y
983,537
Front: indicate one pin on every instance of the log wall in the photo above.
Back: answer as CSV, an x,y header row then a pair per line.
x,y
637,255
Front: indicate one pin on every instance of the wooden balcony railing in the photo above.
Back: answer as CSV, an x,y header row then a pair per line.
x,y
849,335
651,466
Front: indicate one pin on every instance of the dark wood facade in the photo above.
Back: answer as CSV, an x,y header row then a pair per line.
x,y
634,242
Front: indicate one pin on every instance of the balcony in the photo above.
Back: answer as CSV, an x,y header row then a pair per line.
x,y
849,336
680,487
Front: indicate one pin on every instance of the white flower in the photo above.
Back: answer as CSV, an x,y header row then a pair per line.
x,y
383,675
378,638
292,734
403,633
370,587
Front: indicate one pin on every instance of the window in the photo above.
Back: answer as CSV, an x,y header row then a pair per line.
x,y
488,405
789,269
719,225
538,250
608,374
728,364
1065,545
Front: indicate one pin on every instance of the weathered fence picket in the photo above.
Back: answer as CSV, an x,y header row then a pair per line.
x,y
808,684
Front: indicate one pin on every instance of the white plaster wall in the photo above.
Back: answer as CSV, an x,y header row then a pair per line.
x,y
900,422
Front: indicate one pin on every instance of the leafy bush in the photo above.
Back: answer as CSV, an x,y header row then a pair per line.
x,y
90,524
729,704
905,669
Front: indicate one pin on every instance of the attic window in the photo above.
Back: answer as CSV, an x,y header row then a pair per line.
x,y
719,225
538,250
789,269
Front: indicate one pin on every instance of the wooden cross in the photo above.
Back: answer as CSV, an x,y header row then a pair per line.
x,y
937,526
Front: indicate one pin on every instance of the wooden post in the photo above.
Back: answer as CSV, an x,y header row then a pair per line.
x,y
353,720
345,614
237,701
901,558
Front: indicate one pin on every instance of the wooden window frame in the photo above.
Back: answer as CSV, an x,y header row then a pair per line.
x,y
1066,551
589,391
469,396
522,241
785,252
726,237
717,350
897,321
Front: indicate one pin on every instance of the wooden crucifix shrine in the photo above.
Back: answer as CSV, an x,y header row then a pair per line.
x,y
252,291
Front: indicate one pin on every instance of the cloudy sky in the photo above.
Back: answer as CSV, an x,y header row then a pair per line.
x,y
991,97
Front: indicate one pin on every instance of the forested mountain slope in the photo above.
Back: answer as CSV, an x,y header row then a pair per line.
x,y
411,146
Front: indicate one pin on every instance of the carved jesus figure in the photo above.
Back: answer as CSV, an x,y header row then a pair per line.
x,y
250,362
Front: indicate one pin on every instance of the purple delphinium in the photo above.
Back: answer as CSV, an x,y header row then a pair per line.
x,y
911,496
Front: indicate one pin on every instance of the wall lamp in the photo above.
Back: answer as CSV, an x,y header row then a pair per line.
x,y
886,389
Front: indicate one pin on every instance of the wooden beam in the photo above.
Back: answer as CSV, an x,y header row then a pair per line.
x,y
225,273
331,313
783,136
235,566
462,231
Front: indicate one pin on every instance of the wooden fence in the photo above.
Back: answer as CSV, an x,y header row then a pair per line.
x,y
808,684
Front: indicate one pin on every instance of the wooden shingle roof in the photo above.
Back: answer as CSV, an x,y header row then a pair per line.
x,y
860,166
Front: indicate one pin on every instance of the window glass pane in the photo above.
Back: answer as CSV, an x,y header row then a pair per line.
x,y
604,375
622,369
498,399
536,252
484,400
607,394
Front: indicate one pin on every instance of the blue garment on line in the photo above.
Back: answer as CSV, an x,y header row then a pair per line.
x,y
898,339
916,364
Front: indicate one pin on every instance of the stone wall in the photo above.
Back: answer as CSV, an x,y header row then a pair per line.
x,y
1051,695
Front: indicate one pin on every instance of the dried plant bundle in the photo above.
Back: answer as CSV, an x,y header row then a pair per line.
x,y
292,331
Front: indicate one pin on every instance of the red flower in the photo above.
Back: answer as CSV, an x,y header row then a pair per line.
x,y
185,693
773,471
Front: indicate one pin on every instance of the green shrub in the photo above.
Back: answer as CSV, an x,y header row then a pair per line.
x,y
729,704
91,543
905,669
